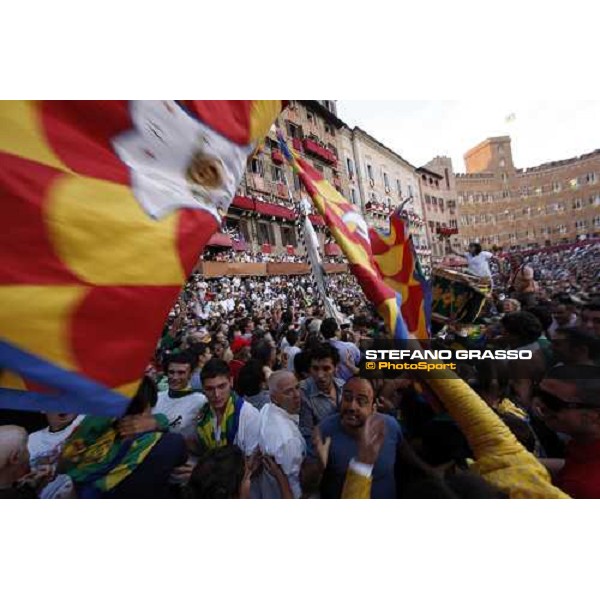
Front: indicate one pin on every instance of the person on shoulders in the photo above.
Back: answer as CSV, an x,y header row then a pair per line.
x,y
478,261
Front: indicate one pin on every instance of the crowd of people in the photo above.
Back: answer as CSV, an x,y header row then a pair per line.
x,y
248,256
256,391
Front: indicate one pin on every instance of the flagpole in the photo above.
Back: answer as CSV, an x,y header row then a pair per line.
x,y
319,278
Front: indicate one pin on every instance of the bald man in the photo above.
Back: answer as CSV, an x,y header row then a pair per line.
x,y
14,462
279,434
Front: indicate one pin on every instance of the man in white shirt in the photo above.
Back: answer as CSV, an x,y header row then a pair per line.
x,y
45,445
290,350
478,261
180,404
280,435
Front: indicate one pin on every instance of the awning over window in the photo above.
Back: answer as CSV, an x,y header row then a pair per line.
x,y
332,250
220,239
266,208
317,220
312,147
273,210
243,202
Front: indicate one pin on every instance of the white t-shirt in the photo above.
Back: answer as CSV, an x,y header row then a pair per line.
x,y
479,265
181,412
44,446
290,352
280,438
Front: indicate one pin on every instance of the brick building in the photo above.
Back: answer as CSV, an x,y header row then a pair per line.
x,y
366,172
438,193
262,211
514,208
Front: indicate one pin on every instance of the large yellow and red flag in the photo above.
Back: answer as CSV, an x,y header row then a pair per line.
x,y
350,231
398,265
106,206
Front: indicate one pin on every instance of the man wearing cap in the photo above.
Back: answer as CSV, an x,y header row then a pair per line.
x,y
240,347
568,400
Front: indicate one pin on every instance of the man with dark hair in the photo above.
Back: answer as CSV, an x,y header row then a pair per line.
x,y
202,353
573,346
218,475
227,419
247,327
590,318
322,391
561,317
349,352
302,365
179,404
568,400
290,350
543,315
522,330
477,261
344,429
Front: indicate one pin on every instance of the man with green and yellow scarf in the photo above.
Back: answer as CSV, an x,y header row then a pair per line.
x,y
227,419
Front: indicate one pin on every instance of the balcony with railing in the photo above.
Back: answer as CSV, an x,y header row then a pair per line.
x,y
314,148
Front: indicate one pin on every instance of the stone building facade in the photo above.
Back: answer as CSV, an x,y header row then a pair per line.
x,y
379,181
438,193
501,205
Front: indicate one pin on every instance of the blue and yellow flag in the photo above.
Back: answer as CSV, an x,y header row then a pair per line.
x,y
350,231
105,207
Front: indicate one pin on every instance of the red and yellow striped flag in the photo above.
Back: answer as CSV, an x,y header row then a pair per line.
x,y
351,233
398,265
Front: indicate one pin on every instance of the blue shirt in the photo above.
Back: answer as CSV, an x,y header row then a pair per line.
x,y
344,448
316,405
342,371
195,381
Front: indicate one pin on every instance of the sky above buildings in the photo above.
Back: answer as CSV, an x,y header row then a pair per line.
x,y
541,131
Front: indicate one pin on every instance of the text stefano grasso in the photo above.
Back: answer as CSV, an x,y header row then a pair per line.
x,y
448,354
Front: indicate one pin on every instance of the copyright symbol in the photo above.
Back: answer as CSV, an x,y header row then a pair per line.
x,y
370,365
